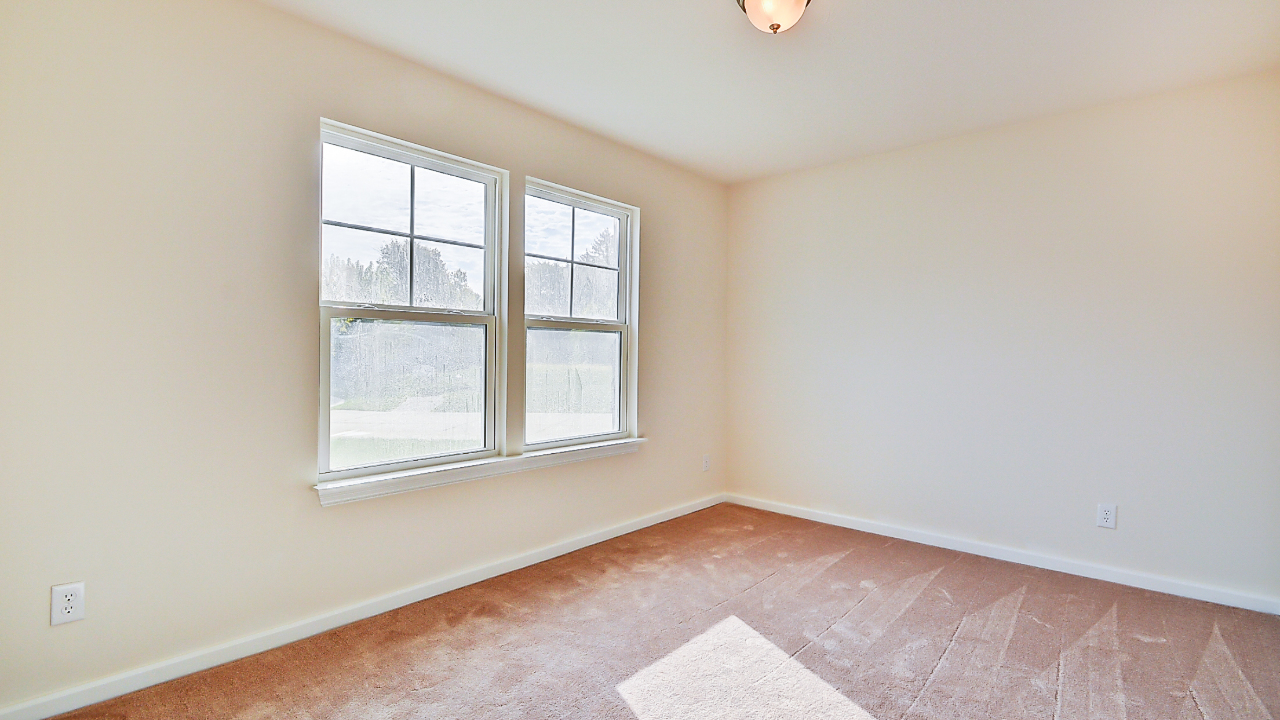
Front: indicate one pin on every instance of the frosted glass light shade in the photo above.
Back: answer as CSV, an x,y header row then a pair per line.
x,y
774,16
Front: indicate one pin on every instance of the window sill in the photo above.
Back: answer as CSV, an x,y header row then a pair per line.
x,y
335,492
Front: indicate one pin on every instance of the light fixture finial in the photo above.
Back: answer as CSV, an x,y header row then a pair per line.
x,y
773,16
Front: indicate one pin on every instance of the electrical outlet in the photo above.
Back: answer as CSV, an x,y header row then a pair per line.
x,y
706,463
66,603
1107,515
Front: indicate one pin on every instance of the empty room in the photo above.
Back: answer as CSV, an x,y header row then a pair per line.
x,y
671,360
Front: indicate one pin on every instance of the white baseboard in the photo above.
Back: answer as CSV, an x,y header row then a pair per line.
x,y
1132,578
139,678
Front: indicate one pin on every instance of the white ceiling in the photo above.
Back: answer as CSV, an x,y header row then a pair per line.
x,y
692,81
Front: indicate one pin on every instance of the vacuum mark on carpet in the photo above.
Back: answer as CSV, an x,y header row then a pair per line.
x,y
1090,686
969,672
1220,689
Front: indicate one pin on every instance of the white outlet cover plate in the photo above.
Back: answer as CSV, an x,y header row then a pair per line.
x,y
1107,515
66,603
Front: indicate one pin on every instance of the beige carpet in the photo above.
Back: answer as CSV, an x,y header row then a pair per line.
x,y
737,613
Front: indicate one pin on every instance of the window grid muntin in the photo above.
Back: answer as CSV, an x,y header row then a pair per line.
x,y
573,230
413,208
576,262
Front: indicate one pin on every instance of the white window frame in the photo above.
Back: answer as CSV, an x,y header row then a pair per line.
x,y
628,311
502,317
495,181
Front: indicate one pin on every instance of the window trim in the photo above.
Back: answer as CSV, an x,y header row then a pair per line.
x,y
497,182
628,308
362,487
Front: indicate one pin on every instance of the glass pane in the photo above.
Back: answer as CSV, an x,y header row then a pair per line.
x,y
448,276
547,227
595,293
448,207
400,390
595,238
364,189
546,287
362,266
572,384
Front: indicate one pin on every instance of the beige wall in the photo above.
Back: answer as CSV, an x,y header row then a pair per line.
x,y
981,337
158,204
985,337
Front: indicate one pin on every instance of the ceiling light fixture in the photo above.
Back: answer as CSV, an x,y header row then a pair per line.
x,y
773,16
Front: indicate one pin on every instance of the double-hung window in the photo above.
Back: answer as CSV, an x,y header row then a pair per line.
x,y
414,324
579,315
408,305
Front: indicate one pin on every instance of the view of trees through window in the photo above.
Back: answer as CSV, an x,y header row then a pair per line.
x,y
403,236
571,261
385,280
573,376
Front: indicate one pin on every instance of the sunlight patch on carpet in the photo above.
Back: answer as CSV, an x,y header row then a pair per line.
x,y
732,671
